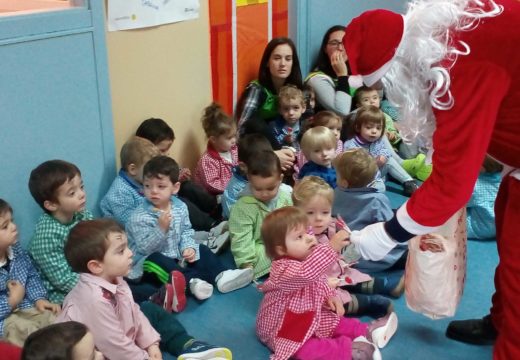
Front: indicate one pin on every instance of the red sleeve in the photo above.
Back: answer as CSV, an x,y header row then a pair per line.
x,y
460,143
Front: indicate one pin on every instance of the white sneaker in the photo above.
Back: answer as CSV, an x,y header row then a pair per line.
x,y
219,229
382,329
201,289
216,244
201,237
231,280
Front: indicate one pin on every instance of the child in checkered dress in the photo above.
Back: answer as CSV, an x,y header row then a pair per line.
x,y
214,168
23,299
56,186
301,315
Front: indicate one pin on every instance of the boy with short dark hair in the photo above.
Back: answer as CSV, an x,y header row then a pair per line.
x,y
248,145
262,195
56,186
23,299
102,300
161,236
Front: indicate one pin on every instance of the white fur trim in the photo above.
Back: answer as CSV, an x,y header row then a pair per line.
x,y
410,225
372,242
355,81
374,77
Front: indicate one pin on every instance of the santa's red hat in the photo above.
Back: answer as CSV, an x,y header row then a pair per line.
x,y
371,41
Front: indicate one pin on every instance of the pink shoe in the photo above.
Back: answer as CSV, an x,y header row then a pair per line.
x,y
362,349
163,297
178,283
380,331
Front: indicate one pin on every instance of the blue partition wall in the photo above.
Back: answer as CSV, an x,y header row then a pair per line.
x,y
54,103
310,19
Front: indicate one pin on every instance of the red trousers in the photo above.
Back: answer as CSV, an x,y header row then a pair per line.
x,y
505,311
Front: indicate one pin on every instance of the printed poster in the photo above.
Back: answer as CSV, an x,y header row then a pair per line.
x,y
135,14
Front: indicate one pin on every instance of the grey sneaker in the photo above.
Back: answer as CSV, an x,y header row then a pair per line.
x,y
222,227
201,237
216,244
230,280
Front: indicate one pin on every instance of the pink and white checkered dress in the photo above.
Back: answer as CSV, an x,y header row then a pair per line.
x,y
293,308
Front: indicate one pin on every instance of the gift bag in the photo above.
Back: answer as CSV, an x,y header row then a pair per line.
x,y
434,281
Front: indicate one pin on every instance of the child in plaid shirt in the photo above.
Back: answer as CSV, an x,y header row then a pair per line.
x,y
56,186
161,237
262,195
203,207
480,218
301,315
214,168
126,192
23,304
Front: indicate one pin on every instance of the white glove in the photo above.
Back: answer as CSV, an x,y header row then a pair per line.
x,y
372,242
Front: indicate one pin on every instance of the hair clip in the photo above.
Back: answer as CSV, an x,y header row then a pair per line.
x,y
310,231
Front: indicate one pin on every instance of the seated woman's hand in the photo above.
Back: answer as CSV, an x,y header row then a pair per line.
x,y
286,157
338,63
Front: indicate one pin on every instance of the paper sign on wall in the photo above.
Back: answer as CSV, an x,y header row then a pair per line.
x,y
134,14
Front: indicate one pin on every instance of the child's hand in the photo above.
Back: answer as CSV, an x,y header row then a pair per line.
x,y
380,160
184,174
391,136
336,305
189,254
42,305
333,282
154,352
340,240
16,293
164,221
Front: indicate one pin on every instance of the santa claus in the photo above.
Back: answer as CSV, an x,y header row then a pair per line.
x,y
454,69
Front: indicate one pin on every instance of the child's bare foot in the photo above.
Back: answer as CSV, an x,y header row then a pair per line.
x,y
362,349
380,331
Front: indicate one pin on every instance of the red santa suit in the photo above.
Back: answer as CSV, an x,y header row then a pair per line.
x,y
485,118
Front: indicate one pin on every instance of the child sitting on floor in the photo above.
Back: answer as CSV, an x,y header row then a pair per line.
x,y
126,192
214,168
369,126
160,236
330,120
68,340
319,147
286,126
301,316
480,217
262,195
56,186
23,299
360,205
248,145
98,251
360,293
202,206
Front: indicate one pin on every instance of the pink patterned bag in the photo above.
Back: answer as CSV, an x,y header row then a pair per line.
x,y
435,280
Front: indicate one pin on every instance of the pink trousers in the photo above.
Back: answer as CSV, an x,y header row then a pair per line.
x,y
337,347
